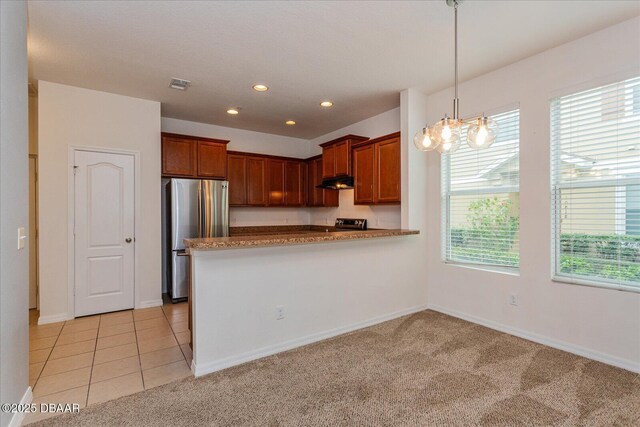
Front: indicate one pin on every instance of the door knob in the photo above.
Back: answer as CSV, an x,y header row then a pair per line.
x,y
128,240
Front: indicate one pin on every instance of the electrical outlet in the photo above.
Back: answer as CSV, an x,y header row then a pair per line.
x,y
513,299
280,312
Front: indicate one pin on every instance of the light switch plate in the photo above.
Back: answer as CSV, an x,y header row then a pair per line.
x,y
22,237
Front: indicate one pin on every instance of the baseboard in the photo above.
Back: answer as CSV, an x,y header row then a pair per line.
x,y
54,318
150,303
629,365
207,368
18,417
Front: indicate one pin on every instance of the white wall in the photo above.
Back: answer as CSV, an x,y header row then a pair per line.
x,y
377,216
601,323
14,269
250,142
70,116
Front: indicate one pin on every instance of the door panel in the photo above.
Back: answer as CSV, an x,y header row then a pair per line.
x,y
294,185
178,157
212,160
237,170
363,162
387,171
343,158
104,232
276,182
329,162
257,179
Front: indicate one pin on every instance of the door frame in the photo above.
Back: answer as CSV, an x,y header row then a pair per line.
x,y
36,249
71,250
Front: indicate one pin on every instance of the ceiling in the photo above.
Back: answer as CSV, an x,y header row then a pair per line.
x,y
358,54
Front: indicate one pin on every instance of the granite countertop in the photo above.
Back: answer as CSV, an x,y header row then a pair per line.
x,y
247,237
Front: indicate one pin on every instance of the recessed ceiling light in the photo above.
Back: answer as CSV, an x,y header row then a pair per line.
x,y
180,84
326,104
290,122
260,88
233,111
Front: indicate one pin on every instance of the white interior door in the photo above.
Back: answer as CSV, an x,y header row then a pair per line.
x,y
104,232
33,233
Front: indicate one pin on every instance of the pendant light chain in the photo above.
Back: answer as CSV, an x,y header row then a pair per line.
x,y
455,50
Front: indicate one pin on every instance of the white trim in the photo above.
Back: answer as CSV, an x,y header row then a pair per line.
x,y
594,283
500,269
71,221
207,368
18,417
149,303
54,318
629,365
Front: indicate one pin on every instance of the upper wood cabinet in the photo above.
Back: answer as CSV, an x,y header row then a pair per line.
x,y
336,155
275,182
318,197
295,177
178,156
237,175
256,181
376,165
363,177
193,157
212,160
247,180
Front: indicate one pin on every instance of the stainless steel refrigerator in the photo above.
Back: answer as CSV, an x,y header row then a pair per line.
x,y
192,208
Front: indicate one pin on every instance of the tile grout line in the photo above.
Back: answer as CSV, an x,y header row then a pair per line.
x,y
49,355
184,356
135,331
95,349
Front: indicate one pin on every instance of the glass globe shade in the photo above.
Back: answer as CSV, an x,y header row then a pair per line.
x,y
482,133
424,141
447,134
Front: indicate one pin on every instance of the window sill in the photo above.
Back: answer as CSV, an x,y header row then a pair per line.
x,y
510,271
595,284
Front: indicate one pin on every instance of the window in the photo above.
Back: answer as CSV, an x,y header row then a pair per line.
x,y
481,199
595,177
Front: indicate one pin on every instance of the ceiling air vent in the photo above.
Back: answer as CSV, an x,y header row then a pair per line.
x,y
180,84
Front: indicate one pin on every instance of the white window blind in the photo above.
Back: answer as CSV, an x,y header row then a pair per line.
x,y
481,199
595,177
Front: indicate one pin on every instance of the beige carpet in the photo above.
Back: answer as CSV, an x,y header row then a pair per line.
x,y
421,370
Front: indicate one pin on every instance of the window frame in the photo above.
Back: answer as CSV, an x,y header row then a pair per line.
x,y
555,189
445,202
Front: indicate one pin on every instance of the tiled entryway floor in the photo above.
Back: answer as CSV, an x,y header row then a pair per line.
x,y
98,358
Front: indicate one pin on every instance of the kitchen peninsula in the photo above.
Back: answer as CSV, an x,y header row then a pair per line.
x,y
260,293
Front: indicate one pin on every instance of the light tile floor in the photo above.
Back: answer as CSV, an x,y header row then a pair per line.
x,y
98,358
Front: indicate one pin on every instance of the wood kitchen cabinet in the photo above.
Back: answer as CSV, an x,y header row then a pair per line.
x,y
178,157
256,181
376,165
247,180
363,179
186,156
275,182
318,197
237,175
336,155
295,177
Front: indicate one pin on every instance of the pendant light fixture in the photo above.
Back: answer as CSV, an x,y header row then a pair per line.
x,y
445,134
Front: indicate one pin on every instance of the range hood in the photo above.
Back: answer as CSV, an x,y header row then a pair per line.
x,y
337,183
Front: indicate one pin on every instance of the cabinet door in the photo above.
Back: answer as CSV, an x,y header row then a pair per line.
x,y
237,174
329,162
294,183
387,171
178,157
314,173
275,184
363,166
256,181
343,158
212,160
